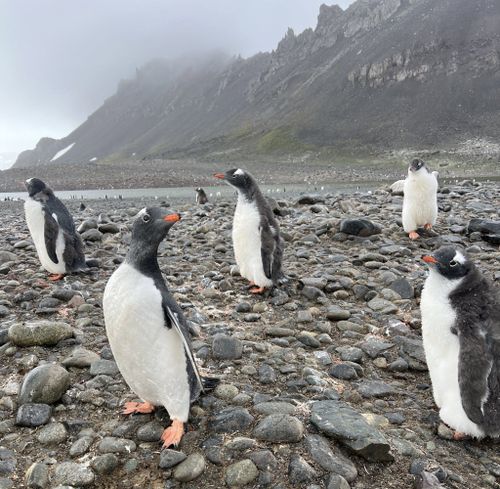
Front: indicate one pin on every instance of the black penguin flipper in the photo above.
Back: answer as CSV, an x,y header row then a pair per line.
x,y
177,321
55,206
475,364
267,249
50,232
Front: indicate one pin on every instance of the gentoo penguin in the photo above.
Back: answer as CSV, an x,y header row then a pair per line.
x,y
258,246
57,243
201,196
461,336
147,331
420,198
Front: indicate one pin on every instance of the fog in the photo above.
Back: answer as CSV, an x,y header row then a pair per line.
x,y
60,59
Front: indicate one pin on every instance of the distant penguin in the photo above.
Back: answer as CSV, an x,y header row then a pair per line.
x,y
82,207
258,246
461,336
57,243
147,330
420,199
201,196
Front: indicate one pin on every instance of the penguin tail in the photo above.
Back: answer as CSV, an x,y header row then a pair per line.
x,y
209,383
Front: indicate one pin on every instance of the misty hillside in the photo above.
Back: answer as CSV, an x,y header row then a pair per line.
x,y
381,74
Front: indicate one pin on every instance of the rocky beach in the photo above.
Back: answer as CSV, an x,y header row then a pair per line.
x,y
323,382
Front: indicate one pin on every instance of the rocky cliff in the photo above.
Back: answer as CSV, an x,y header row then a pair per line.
x,y
381,74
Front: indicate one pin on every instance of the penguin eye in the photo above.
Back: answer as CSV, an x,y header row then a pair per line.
x,y
146,217
453,263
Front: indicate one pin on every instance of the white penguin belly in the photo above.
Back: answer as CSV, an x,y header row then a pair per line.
x,y
247,243
419,202
442,351
150,356
36,225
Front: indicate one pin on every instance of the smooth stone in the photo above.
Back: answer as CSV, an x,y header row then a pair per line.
x,y
80,358
279,428
45,384
343,371
73,474
170,458
191,468
151,431
104,464
111,444
267,374
92,235
403,288
226,391
359,227
81,446
337,420
382,305
241,473
335,313
33,414
39,333
226,347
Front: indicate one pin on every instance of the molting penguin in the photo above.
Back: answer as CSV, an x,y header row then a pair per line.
x,y
57,243
420,198
147,331
258,246
461,335
201,196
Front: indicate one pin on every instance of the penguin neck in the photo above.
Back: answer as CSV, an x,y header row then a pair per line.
x,y
143,256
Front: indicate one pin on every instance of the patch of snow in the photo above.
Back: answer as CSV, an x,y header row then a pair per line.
x,y
63,151
93,159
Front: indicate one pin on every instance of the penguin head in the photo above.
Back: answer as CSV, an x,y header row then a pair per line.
x,y
450,262
416,165
238,178
152,225
34,185
198,190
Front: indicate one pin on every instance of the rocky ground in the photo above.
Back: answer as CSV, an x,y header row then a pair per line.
x,y
323,382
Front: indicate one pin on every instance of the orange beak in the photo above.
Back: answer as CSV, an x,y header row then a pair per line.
x,y
429,259
220,176
172,218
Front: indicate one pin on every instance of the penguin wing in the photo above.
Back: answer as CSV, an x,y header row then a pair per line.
x,y
178,322
73,255
50,233
476,365
269,241
64,218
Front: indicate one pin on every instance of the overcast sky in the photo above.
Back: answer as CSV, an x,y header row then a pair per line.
x,y
59,59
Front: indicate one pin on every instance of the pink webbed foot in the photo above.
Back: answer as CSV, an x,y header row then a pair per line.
x,y
413,235
137,407
173,434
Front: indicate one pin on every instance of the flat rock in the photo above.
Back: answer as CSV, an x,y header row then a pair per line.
x,y
359,227
300,472
376,388
279,428
80,358
337,420
39,333
171,458
73,474
44,384
322,452
232,419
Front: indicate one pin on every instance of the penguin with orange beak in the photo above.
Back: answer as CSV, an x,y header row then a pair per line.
x,y
461,337
147,330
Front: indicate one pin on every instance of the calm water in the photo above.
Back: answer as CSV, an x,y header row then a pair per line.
x,y
188,193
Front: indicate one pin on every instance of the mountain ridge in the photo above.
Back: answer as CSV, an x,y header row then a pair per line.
x,y
380,74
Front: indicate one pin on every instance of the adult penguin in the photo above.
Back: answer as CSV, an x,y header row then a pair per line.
x,y
258,246
420,199
461,336
201,196
59,246
147,331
